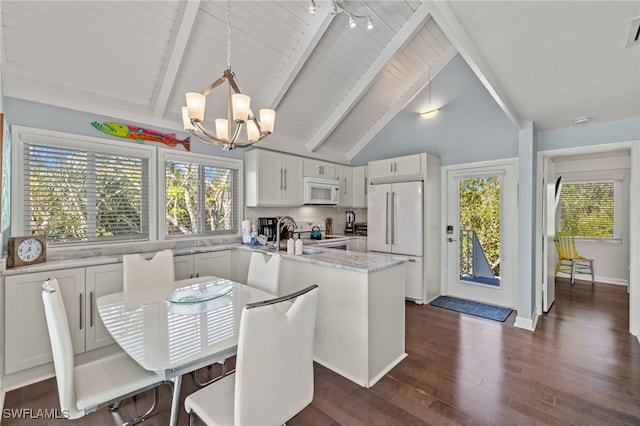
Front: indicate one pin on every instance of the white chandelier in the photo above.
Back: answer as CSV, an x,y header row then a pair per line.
x,y
238,111
338,8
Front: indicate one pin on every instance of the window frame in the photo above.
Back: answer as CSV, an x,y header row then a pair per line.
x,y
203,160
618,205
26,135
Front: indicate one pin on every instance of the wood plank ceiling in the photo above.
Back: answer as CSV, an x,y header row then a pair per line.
x,y
333,86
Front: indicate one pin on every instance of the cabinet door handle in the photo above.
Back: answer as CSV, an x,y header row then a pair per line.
x,y
90,309
319,169
391,167
393,218
285,179
386,219
280,181
80,310
366,190
345,186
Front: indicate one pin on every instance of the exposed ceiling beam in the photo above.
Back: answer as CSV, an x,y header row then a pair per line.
x,y
402,102
406,33
459,37
176,48
307,44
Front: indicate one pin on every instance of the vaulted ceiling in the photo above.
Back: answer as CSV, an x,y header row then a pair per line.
x,y
333,87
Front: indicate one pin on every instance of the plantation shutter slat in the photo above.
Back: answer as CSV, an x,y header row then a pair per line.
x,y
73,195
592,209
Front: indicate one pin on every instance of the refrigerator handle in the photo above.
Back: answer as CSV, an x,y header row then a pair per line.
x,y
386,218
393,218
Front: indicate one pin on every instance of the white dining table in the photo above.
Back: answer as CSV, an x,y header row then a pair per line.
x,y
176,337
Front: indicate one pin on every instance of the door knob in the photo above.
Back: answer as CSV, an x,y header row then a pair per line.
x,y
451,239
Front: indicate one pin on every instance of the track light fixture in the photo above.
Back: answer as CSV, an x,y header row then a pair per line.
x,y
336,8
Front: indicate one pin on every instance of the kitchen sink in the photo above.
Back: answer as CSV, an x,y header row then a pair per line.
x,y
312,250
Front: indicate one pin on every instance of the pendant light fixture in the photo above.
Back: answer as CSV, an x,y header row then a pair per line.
x,y
227,133
338,8
431,112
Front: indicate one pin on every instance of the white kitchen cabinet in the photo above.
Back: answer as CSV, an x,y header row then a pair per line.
x,y
272,179
99,281
345,180
215,263
319,169
395,169
360,182
27,341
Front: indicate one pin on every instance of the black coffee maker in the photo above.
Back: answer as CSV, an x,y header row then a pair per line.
x,y
267,227
351,218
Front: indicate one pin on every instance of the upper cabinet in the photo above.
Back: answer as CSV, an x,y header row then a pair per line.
x,y
345,180
360,182
400,168
319,169
272,179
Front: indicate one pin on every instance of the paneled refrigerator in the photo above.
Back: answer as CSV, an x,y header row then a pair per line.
x,y
395,226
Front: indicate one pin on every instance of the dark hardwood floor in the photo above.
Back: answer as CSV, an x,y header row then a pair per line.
x,y
580,367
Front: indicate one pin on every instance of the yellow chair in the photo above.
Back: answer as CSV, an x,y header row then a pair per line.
x,y
569,261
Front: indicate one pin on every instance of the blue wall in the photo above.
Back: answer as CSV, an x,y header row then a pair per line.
x,y
590,134
469,127
41,116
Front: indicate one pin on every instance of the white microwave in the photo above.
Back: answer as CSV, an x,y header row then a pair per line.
x,y
321,191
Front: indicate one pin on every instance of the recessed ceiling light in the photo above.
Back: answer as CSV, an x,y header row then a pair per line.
x,y
581,120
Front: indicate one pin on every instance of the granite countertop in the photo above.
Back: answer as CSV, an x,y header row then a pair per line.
x,y
334,258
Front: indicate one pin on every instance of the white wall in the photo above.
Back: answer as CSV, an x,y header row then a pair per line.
x,y
611,259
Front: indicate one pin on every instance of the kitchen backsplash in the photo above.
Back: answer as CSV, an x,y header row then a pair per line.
x,y
315,214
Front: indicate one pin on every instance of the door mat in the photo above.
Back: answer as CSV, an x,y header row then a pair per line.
x,y
491,312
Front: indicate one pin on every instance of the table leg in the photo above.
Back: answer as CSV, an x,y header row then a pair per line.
x,y
175,401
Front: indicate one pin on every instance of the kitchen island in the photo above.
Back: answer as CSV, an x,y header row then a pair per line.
x,y
360,323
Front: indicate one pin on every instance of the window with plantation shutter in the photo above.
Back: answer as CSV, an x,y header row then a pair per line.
x,y
201,197
592,209
77,196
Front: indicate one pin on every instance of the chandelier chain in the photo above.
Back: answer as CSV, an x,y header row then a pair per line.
x,y
228,34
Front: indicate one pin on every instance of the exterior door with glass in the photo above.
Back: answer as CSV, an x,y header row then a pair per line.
x,y
481,234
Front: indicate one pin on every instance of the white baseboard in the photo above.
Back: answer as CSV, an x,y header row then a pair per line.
x,y
526,323
599,279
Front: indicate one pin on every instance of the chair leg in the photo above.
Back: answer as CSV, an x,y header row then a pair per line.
x,y
115,406
144,417
573,271
593,278
215,379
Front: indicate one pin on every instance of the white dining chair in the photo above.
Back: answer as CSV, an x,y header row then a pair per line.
x,y
86,388
140,273
264,272
274,366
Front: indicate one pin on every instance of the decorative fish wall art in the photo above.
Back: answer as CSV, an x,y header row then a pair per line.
x,y
139,134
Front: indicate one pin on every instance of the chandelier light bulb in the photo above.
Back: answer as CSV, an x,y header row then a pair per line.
x,y
352,22
186,121
240,107
369,23
252,131
222,128
312,7
195,105
267,120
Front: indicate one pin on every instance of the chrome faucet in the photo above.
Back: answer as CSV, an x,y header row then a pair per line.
x,y
278,231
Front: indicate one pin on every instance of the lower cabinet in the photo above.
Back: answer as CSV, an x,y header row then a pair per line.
x,y
27,341
217,263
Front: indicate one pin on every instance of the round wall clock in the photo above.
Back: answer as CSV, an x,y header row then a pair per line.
x,y
26,250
